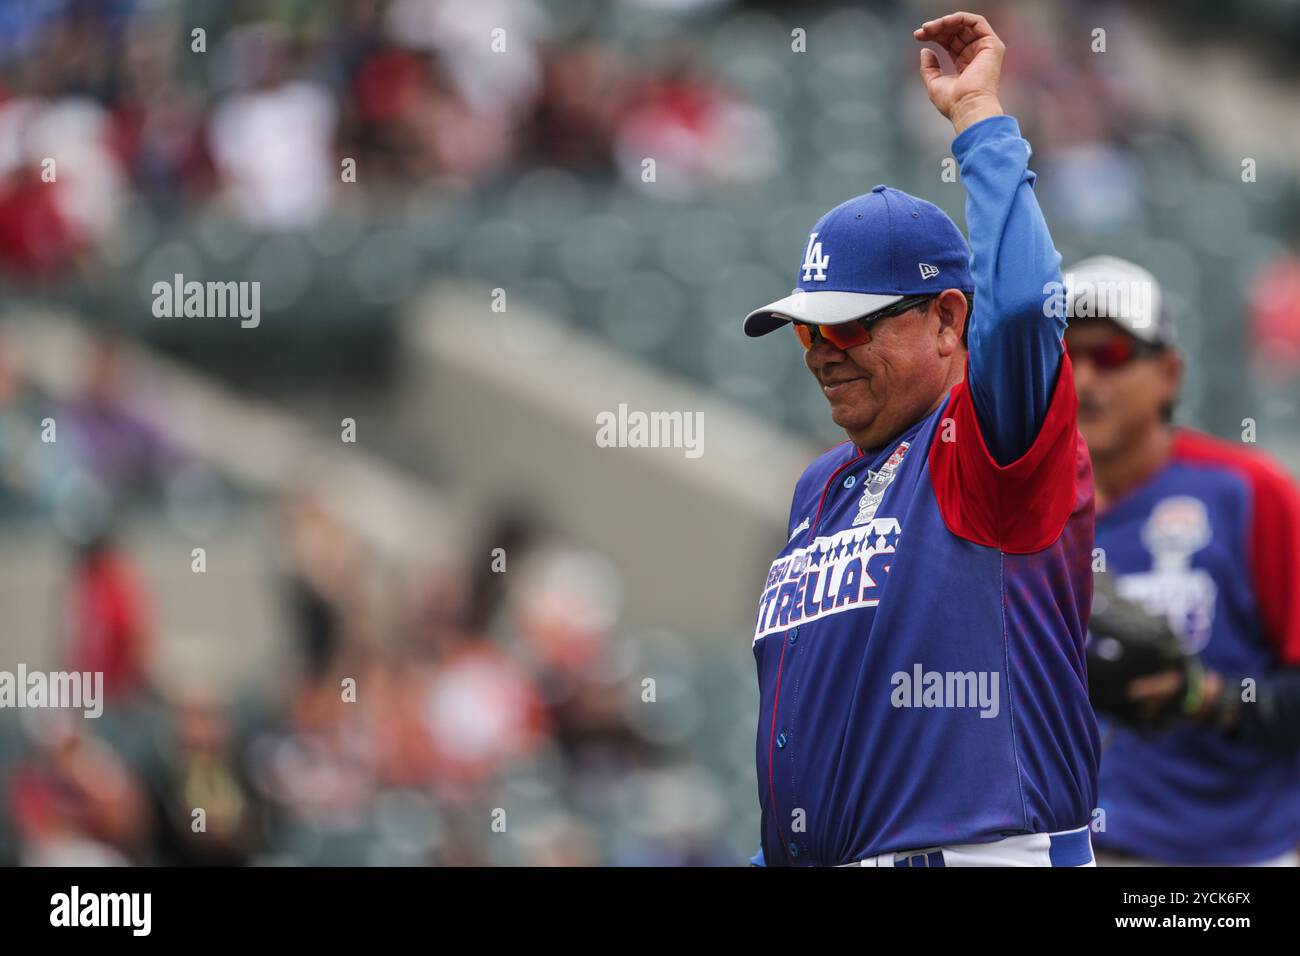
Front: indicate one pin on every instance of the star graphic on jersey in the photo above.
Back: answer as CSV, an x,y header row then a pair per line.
x,y
839,550
891,539
857,545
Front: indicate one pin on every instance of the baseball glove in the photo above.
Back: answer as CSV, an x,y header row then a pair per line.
x,y
1126,642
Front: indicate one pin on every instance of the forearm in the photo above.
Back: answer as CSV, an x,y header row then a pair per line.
x,y
1016,331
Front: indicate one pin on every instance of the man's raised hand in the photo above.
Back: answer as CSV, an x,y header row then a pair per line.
x,y
970,94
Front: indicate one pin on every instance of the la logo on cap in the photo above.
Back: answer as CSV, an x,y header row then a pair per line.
x,y
814,262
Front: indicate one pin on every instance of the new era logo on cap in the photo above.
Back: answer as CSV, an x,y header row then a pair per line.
x,y
885,245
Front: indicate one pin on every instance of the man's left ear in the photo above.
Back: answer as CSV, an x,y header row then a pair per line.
x,y
951,309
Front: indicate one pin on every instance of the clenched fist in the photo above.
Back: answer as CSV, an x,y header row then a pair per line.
x,y
970,94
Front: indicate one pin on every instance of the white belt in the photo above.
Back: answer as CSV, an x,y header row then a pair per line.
x,y
1065,848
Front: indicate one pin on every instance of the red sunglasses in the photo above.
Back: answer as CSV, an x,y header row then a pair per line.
x,y
1109,355
847,335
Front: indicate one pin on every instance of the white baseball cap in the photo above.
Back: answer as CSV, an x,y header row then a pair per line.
x,y
1107,287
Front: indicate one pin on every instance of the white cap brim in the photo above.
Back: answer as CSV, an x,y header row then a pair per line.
x,y
823,308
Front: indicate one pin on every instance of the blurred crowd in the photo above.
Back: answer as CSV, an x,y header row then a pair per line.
x,y
518,744
269,117
127,125
424,715
76,461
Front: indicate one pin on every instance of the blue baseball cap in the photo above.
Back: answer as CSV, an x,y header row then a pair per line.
x,y
869,253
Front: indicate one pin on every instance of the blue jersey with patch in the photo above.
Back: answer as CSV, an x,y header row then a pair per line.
x,y
1211,541
919,639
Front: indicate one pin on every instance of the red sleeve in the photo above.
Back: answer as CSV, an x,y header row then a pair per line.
x,y
1273,539
1023,506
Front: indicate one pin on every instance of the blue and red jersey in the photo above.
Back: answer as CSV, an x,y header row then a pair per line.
x,y
1211,540
920,638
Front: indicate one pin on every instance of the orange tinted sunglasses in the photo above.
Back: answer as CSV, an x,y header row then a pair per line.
x,y
847,335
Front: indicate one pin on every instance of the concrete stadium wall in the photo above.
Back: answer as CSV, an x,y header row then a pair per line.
x,y
509,401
